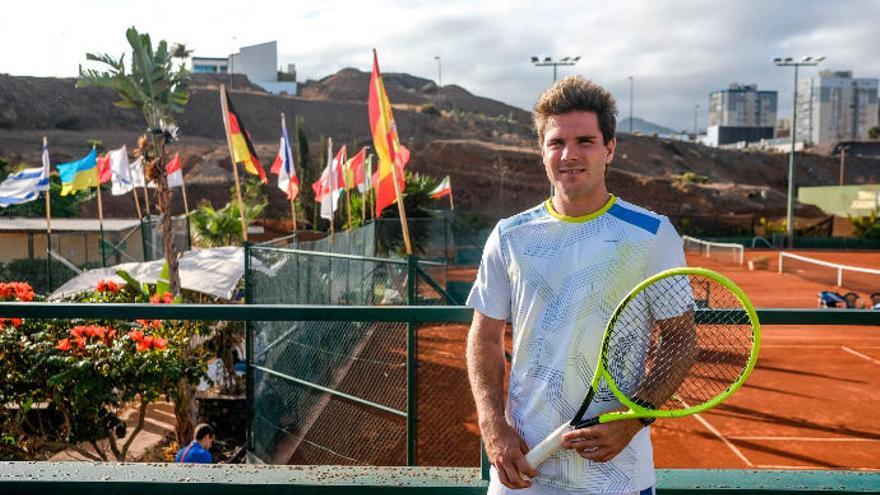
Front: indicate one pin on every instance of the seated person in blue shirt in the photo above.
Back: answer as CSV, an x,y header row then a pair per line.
x,y
199,450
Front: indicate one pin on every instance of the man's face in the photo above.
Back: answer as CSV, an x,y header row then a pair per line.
x,y
207,442
575,156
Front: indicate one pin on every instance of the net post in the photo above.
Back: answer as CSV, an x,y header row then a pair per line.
x,y
840,277
249,357
411,365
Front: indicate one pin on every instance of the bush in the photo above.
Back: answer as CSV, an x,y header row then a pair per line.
x,y
430,109
866,227
694,178
87,372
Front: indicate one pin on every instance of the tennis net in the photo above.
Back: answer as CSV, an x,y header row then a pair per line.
x,y
866,280
723,251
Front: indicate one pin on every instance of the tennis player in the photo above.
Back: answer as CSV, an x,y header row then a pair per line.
x,y
556,271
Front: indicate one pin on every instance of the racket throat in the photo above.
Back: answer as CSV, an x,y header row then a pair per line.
x,y
584,423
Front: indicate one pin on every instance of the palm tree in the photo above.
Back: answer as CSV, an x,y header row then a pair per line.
x,y
156,88
222,227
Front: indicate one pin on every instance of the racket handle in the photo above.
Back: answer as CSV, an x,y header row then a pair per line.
x,y
547,447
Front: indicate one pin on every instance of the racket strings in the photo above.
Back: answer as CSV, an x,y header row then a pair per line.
x,y
670,347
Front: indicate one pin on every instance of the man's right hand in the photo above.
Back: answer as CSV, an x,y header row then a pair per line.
x,y
506,450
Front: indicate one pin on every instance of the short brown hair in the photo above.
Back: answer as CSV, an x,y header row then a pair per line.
x,y
203,430
573,94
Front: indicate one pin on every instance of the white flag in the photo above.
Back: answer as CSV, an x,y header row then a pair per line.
x,y
137,173
120,172
330,181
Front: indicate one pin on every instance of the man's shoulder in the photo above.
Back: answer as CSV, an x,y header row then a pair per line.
x,y
636,216
534,214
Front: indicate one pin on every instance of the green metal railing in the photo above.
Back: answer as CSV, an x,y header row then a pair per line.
x,y
72,478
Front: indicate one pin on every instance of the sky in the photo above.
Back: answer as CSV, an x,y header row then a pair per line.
x,y
677,52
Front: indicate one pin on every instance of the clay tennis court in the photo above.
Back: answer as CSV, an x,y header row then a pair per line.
x,y
808,405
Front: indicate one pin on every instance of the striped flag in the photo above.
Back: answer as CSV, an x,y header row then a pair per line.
x,y
242,147
385,141
284,166
80,174
24,186
442,189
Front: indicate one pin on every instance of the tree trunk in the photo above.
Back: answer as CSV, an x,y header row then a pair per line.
x,y
184,412
164,205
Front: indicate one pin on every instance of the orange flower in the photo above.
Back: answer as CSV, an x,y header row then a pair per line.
x,y
136,335
80,342
63,345
145,344
160,343
107,286
15,322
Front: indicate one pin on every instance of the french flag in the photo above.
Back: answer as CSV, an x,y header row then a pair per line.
x,y
284,166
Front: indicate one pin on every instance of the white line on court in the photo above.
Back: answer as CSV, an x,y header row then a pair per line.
x,y
859,354
718,434
808,439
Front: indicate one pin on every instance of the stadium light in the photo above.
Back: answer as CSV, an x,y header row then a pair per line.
x,y
808,61
548,62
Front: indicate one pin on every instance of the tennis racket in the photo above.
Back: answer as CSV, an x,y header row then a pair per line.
x,y
679,343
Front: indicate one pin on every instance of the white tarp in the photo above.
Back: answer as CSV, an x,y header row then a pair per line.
x,y
214,271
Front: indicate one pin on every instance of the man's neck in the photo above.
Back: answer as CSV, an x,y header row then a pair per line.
x,y
577,207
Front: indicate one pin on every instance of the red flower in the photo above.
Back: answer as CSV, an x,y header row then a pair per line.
x,y
63,345
160,343
136,335
20,291
80,342
107,286
145,344
155,299
164,298
15,322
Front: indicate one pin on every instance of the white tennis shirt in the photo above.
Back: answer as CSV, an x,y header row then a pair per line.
x,y
558,279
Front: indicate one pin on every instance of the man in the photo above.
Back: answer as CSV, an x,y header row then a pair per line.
x,y
557,271
199,450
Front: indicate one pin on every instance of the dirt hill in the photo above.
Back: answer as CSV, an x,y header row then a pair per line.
x,y
487,147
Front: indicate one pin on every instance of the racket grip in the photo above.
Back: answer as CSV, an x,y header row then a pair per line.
x,y
547,447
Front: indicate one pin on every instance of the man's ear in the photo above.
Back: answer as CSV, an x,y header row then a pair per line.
x,y
610,148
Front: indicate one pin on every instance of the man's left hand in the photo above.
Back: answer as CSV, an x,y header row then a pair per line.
x,y
602,442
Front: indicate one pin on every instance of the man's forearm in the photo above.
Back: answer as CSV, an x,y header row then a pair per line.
x,y
485,360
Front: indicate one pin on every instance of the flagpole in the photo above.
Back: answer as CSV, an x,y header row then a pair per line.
x,y
137,202
223,96
289,178
451,203
101,222
372,191
400,208
48,193
147,198
348,198
331,172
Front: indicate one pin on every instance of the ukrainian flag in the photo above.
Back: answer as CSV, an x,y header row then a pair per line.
x,y
80,174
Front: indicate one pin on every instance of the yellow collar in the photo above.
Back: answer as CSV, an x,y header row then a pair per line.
x,y
583,218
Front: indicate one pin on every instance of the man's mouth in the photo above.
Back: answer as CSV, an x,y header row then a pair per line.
x,y
572,171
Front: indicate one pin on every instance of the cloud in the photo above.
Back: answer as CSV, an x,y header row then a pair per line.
x,y
677,52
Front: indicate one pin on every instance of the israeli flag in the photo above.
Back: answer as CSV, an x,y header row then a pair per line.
x,y
23,186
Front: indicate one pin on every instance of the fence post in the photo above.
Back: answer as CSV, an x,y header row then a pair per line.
x,y
250,446
411,365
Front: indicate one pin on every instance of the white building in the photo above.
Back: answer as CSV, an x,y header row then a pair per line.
x,y
833,106
258,62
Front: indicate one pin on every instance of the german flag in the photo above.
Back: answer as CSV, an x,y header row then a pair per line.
x,y
240,142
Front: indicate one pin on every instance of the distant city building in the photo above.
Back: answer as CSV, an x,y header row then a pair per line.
x,y
833,106
741,113
783,128
258,62
206,65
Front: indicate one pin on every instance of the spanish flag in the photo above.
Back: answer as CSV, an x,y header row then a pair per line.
x,y
242,148
80,174
385,141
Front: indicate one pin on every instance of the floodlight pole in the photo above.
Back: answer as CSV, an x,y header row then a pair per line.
x,y
630,104
549,62
790,62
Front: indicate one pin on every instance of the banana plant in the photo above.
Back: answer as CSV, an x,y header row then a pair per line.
x,y
152,84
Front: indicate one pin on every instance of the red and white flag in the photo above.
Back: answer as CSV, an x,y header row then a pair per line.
x,y
442,189
174,171
329,187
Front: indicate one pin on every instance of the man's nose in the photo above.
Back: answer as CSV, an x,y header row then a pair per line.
x,y
570,152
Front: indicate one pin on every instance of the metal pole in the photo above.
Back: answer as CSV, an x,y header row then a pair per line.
x,y
439,71
554,73
631,104
411,365
842,162
249,357
789,228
